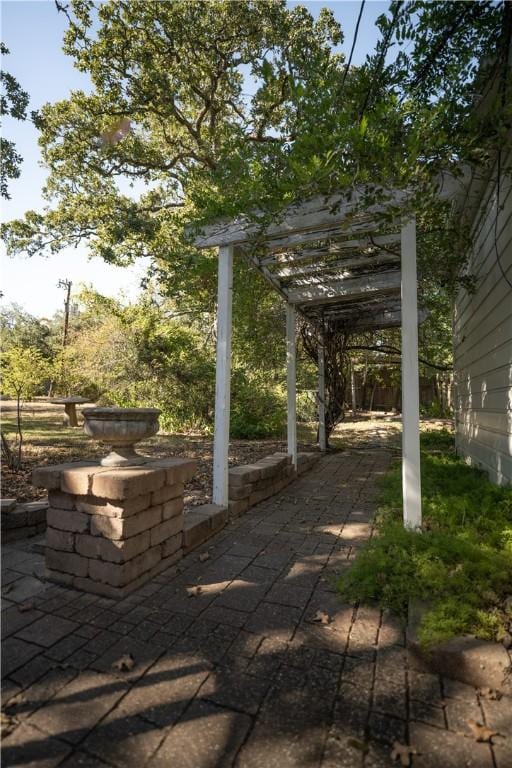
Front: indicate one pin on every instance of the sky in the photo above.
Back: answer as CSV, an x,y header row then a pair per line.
x,y
32,30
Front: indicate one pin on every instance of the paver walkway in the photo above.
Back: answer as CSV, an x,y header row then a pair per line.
x,y
229,670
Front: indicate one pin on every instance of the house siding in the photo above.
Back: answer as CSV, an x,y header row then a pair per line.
x,y
483,339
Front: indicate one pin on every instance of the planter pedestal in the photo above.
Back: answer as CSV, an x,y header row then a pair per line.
x,y
109,530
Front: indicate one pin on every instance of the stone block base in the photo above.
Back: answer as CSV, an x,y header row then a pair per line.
x,y
19,521
110,530
202,523
253,483
248,485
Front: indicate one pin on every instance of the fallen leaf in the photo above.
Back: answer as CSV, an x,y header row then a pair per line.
x,y
321,617
24,607
490,694
481,732
402,752
15,701
360,745
124,663
7,724
204,556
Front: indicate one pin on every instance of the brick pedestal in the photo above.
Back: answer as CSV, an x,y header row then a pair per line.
x,y
110,530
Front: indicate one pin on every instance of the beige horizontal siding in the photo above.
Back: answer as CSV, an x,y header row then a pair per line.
x,y
494,400
497,464
483,343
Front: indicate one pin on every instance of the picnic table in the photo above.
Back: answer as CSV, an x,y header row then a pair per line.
x,y
69,403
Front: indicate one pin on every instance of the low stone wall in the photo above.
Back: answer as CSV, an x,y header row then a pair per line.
x,y
248,485
201,523
19,521
110,530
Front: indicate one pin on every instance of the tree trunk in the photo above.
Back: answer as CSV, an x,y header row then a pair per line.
x,y
372,396
7,452
20,433
396,399
363,387
336,368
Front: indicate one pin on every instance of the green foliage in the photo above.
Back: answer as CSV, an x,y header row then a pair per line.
x,y
20,329
257,410
13,102
196,146
460,564
24,372
148,354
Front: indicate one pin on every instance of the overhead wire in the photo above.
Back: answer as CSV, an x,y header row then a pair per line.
x,y
380,63
356,33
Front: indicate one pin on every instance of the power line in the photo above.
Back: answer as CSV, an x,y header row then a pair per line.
x,y
349,60
380,63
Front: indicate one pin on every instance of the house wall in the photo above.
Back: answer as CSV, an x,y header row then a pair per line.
x,y
483,338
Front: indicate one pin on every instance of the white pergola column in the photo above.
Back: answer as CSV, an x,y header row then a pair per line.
x,y
291,382
223,376
322,438
411,475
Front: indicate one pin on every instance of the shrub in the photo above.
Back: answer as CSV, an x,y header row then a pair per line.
x,y
460,563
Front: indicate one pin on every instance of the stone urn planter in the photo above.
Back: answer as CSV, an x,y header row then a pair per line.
x,y
121,429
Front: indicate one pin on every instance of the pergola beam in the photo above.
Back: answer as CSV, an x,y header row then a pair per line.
x,y
334,245
315,215
348,289
318,268
373,321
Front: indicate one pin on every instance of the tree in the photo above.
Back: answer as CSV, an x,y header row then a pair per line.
x,y
169,108
21,329
24,372
13,102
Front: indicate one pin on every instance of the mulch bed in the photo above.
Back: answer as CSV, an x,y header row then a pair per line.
x,y
18,484
48,442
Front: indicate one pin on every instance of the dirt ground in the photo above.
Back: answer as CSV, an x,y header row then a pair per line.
x,y
47,441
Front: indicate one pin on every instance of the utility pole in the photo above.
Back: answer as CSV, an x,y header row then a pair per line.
x,y
66,284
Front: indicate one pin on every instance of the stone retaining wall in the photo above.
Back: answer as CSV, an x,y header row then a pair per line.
x,y
19,521
110,530
248,485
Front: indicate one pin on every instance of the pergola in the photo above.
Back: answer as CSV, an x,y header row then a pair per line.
x,y
331,259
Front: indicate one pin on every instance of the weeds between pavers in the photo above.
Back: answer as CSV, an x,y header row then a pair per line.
x,y
460,564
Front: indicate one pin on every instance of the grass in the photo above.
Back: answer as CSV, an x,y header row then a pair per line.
x,y
460,564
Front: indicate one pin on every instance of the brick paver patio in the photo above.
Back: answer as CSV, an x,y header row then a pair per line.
x,y
229,669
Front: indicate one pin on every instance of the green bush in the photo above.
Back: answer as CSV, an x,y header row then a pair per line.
x,y
460,564
258,409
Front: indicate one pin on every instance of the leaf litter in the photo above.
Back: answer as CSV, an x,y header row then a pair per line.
x,y
125,663
403,753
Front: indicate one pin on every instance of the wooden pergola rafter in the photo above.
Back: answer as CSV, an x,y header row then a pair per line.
x,y
333,260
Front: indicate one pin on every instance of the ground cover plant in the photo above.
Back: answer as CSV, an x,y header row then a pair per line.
x,y
460,564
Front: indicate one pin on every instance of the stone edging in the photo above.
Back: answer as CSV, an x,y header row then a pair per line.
x,y
20,521
248,485
476,662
